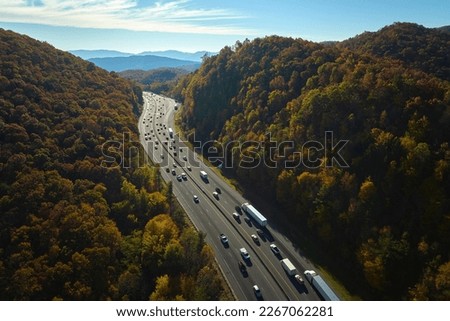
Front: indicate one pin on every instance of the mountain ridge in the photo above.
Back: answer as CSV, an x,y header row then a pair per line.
x,y
146,62
380,216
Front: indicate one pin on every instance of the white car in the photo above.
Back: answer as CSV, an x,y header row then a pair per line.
x,y
257,291
224,239
299,279
244,253
216,195
195,197
255,238
275,249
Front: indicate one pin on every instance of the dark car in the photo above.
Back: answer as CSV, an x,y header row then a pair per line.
x,y
242,267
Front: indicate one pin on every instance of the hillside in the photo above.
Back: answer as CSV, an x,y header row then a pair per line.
x,y
418,47
147,77
83,217
375,209
159,81
142,62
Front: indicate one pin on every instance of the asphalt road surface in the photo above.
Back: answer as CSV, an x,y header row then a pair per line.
x,y
213,215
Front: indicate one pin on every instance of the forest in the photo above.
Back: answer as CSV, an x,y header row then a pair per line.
x,y
159,81
383,221
75,225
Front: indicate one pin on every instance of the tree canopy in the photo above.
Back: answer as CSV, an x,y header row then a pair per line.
x,y
74,224
383,215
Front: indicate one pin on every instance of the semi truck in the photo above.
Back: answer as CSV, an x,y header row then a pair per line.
x,y
253,212
288,266
320,285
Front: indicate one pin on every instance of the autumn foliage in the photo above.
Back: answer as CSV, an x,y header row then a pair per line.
x,y
73,227
383,222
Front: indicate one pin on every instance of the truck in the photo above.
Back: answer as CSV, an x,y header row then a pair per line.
x,y
320,285
288,266
170,132
253,212
204,175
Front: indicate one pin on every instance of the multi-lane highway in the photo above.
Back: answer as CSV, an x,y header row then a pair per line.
x,y
213,214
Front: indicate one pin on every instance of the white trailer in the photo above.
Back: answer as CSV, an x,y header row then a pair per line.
x,y
253,212
321,286
288,266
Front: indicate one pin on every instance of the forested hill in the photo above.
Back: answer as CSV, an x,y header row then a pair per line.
x,y
419,47
382,223
74,225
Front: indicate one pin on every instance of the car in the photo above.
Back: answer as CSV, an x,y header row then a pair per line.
x,y
242,267
162,155
189,168
257,291
299,279
247,220
260,232
174,165
167,169
218,190
174,153
275,249
216,195
184,157
174,172
195,197
236,216
255,238
179,178
224,239
244,253
183,176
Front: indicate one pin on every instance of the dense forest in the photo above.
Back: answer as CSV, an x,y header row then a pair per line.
x,y
74,224
382,217
159,81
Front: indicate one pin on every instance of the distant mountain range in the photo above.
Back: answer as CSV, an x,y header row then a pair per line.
x,y
102,53
142,62
175,54
112,60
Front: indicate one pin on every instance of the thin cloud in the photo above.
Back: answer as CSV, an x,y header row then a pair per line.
x,y
176,16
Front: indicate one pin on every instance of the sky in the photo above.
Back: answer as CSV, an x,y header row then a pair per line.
x,y
135,26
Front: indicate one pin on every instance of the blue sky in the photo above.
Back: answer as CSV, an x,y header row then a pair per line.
x,y
191,25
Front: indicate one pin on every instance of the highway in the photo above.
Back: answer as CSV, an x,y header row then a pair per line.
x,y
213,215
